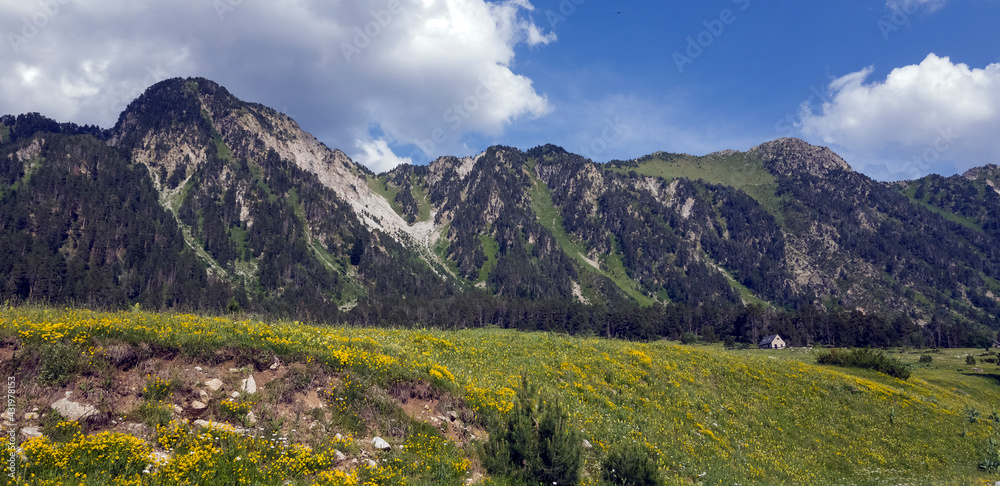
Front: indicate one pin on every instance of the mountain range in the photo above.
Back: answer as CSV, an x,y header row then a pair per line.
x,y
196,200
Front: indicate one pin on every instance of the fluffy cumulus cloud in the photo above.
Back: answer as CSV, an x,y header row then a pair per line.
x,y
377,155
936,116
362,76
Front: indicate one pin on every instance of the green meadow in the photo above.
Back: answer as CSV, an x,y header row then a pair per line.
x,y
711,415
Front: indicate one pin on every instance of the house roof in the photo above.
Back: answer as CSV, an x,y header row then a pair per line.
x,y
769,339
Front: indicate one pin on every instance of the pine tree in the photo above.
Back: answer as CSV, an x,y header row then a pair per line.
x,y
535,443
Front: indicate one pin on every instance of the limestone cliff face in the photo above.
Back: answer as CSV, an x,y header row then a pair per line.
x,y
248,131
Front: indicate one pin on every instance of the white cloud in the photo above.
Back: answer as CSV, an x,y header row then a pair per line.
x,y
377,155
425,72
929,116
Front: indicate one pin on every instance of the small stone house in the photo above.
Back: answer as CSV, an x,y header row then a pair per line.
x,y
772,342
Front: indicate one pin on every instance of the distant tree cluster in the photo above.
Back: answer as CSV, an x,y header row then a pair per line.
x,y
88,229
746,324
26,125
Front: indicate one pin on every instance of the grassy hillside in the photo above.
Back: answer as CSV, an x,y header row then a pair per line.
x,y
712,416
739,170
950,216
611,266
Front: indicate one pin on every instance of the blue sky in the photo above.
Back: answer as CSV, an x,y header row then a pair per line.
x,y
899,88
748,85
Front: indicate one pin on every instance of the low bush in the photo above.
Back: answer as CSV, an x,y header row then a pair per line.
x,y
153,413
991,461
689,338
866,358
59,363
926,358
58,429
630,465
157,389
534,443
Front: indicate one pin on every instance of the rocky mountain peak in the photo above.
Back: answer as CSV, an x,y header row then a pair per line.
x,y
990,171
792,155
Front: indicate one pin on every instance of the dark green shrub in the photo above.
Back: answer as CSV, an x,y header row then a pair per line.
x,y
730,342
926,358
631,465
689,338
535,443
991,463
970,360
866,358
972,415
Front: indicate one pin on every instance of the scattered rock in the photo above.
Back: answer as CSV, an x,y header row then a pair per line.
x,y
276,364
204,395
235,395
30,432
159,457
31,416
976,370
338,437
197,405
197,368
372,464
381,444
73,410
217,426
339,455
587,444
132,428
251,418
234,370
249,385
453,416
178,409
214,384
